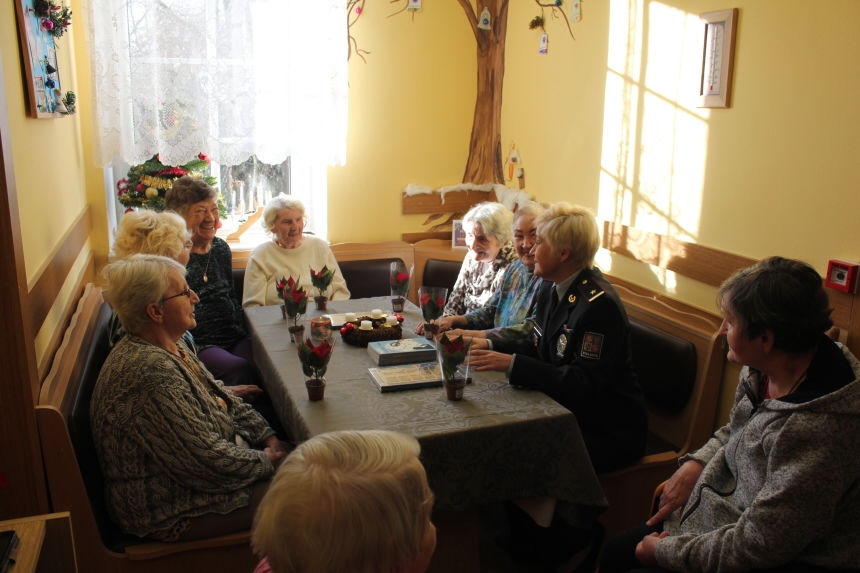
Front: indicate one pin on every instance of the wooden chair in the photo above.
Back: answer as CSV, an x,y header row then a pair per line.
x,y
443,260
676,426
367,266
75,482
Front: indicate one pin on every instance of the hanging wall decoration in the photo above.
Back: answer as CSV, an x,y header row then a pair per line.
x,y
40,24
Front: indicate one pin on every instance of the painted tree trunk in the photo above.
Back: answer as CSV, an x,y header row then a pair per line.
x,y
484,164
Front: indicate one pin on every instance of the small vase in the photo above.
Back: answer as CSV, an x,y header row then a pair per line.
x,y
397,303
322,302
297,333
316,389
430,330
454,389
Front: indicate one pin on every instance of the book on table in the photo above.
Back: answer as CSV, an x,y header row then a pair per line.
x,y
403,351
408,376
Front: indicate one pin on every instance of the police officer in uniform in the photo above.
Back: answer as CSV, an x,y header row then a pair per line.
x,y
579,352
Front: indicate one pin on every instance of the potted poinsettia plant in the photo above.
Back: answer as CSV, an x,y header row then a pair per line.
x,y
295,305
314,361
432,301
399,280
321,281
452,354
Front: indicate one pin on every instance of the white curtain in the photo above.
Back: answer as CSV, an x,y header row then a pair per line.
x,y
228,78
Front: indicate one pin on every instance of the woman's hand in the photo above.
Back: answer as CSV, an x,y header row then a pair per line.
x,y
677,490
470,333
419,330
646,550
449,322
246,392
275,450
488,360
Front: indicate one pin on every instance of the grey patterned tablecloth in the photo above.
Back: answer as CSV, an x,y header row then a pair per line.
x,y
498,443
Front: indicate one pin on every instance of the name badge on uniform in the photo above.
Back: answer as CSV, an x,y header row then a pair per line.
x,y
536,334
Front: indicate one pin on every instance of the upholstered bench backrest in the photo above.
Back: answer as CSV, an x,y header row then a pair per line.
x,y
441,273
368,278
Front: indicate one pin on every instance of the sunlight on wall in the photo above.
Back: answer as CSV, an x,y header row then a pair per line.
x,y
654,137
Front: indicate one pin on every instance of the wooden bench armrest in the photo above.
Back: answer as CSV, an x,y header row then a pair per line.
x,y
158,549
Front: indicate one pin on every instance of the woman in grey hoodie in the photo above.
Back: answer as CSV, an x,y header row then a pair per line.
x,y
778,488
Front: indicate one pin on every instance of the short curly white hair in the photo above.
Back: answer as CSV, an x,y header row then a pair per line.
x,y
278,204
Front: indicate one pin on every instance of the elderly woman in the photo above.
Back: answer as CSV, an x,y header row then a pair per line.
x,y
512,304
580,356
348,501
488,235
778,488
220,334
290,253
172,442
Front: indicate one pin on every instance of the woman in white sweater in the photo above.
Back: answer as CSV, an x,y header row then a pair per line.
x,y
290,253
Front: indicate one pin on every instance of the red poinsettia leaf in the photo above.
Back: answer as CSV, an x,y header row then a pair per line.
x,y
425,298
440,302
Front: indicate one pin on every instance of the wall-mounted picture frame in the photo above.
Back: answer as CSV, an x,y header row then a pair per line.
x,y
718,56
39,57
458,235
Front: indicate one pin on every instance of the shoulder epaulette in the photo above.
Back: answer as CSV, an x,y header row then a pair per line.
x,y
590,288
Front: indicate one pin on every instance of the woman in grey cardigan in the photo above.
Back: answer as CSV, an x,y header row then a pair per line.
x,y
172,442
778,488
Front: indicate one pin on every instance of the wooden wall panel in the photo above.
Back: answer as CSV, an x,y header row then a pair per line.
x,y
51,277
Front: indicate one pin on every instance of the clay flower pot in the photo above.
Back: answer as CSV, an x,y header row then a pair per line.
x,y
430,330
316,389
322,302
297,333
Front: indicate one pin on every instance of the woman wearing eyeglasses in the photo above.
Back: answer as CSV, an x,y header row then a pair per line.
x,y
173,443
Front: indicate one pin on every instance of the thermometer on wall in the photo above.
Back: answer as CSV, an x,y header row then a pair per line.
x,y
714,36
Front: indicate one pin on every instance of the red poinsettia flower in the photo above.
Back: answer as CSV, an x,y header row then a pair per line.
x,y
452,346
322,350
425,298
402,277
440,302
298,295
203,157
314,359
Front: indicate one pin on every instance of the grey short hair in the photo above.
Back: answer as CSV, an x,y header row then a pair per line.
x,y
346,501
494,218
136,282
531,208
568,226
276,205
187,191
151,233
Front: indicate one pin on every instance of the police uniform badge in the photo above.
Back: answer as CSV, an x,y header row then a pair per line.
x,y
562,342
592,345
537,333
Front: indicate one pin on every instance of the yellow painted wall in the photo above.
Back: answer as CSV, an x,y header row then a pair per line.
x,y
49,159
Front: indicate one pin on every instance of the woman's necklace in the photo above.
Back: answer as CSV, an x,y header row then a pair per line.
x,y
209,258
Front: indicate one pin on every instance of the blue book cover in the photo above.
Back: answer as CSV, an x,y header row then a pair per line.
x,y
403,351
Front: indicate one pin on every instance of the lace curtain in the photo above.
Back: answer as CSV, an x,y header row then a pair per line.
x,y
229,78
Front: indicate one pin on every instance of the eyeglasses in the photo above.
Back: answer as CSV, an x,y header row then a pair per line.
x,y
189,244
185,292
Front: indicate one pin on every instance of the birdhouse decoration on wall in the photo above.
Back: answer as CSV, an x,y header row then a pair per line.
x,y
515,167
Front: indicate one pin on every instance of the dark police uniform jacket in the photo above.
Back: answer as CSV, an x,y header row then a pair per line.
x,y
580,356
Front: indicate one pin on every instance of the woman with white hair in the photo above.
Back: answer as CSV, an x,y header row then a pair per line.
x,y
348,501
290,253
172,441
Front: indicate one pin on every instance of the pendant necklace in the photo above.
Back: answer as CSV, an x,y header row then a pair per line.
x,y
209,258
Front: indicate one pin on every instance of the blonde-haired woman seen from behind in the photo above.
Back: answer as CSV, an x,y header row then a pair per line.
x,y
348,502
290,253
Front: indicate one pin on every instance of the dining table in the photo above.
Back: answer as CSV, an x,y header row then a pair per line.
x,y
500,442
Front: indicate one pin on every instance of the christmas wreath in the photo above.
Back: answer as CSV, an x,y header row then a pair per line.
x,y
146,184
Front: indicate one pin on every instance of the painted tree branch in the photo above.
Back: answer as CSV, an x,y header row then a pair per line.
x,y
555,7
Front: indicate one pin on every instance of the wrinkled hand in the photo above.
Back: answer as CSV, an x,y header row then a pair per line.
x,y
489,360
276,457
446,323
419,330
677,490
469,333
246,392
646,550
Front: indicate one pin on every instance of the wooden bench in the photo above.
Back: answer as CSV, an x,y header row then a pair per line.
x,y
75,481
678,356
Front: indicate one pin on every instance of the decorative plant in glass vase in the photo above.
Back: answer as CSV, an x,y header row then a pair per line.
x,y
321,281
399,280
314,361
295,305
452,355
432,301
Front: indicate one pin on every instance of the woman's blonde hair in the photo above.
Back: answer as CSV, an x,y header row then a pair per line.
x,y
151,233
495,219
276,205
567,226
346,502
136,282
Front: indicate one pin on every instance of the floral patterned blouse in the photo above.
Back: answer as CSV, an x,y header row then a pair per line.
x,y
510,311
478,281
